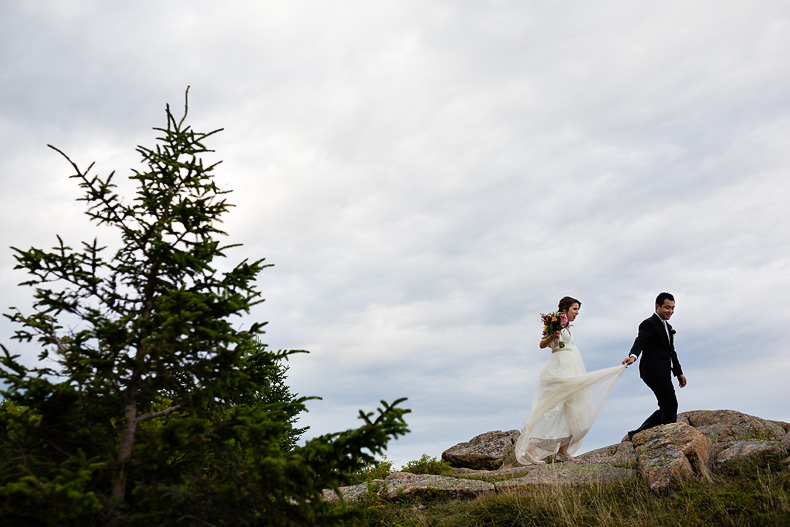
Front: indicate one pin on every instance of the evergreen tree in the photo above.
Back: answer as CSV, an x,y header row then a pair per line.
x,y
149,405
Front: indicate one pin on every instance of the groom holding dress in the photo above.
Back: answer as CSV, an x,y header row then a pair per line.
x,y
656,343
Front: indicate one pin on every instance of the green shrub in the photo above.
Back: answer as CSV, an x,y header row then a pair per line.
x,y
428,465
378,469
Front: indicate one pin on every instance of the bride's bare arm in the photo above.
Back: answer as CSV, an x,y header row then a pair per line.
x,y
545,342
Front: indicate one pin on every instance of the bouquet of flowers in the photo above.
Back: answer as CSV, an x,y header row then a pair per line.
x,y
554,321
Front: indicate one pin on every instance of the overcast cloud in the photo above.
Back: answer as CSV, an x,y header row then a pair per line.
x,y
427,177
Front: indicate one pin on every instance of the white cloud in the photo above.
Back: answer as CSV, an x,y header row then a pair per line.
x,y
427,179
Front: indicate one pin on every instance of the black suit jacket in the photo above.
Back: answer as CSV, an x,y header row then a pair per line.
x,y
659,351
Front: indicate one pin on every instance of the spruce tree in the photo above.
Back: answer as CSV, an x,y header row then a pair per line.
x,y
154,399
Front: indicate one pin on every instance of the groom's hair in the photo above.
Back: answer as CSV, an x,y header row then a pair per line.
x,y
566,302
664,296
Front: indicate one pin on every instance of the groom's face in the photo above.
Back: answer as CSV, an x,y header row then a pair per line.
x,y
666,310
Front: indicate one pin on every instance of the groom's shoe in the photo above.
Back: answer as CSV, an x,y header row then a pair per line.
x,y
631,435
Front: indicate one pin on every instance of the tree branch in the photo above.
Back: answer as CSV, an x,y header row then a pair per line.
x,y
161,413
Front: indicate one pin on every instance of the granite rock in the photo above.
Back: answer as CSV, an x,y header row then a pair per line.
x,y
699,441
485,451
740,450
559,474
671,452
725,427
402,485
621,454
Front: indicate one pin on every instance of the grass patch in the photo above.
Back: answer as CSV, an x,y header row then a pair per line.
x,y
748,495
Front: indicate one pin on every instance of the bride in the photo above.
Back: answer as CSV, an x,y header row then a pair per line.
x,y
563,410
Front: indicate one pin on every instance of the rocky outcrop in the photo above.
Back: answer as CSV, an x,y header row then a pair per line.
x,y
401,484
559,474
700,441
484,452
786,443
355,493
669,453
725,427
622,454
406,485
740,450
737,436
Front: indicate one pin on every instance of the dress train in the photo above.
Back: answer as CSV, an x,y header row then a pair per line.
x,y
567,401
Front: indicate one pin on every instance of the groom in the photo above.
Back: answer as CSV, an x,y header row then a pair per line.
x,y
656,340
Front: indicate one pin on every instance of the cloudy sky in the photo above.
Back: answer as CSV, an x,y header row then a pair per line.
x,y
427,177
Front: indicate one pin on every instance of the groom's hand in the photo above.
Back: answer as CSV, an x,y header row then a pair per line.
x,y
681,380
629,361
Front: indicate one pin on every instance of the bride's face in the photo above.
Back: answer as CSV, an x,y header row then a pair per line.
x,y
573,312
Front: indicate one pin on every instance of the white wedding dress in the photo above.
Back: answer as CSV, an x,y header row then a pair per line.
x,y
567,401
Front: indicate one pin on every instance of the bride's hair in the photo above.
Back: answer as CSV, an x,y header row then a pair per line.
x,y
566,302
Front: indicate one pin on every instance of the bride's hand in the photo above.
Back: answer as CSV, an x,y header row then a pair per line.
x,y
548,339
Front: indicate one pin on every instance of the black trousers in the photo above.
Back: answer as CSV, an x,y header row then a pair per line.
x,y
667,402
